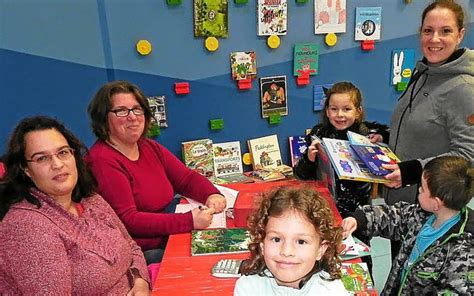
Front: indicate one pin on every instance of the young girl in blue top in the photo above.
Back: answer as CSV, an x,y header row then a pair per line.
x,y
293,248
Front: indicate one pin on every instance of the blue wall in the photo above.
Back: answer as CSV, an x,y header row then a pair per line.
x,y
55,54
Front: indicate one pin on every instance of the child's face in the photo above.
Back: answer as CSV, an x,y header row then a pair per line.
x,y
427,202
291,248
341,111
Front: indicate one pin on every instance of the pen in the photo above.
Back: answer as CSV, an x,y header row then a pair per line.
x,y
202,208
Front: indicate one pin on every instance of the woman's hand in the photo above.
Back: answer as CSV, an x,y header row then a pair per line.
x,y
202,217
313,150
349,225
140,288
217,202
395,176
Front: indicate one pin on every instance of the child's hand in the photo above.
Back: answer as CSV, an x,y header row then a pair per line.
x,y
395,176
313,150
217,202
202,217
375,138
349,225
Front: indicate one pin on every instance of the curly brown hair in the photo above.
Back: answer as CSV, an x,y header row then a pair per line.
x,y
311,205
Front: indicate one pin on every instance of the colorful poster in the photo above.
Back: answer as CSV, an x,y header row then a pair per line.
x,y
272,17
329,16
403,63
319,96
305,58
368,23
157,106
243,65
211,18
273,95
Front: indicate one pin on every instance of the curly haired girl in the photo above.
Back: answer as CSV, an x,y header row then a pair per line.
x,y
294,246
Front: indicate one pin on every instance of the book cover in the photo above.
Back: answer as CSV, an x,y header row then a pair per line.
x,y
305,58
227,159
357,280
329,16
368,23
211,18
347,164
219,241
265,175
157,106
324,171
243,65
235,178
297,148
403,63
319,96
272,17
265,152
273,96
353,248
197,155
373,155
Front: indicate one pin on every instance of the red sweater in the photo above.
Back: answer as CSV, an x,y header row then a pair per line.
x,y
139,191
49,251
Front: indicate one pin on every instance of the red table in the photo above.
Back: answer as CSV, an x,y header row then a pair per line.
x,y
183,274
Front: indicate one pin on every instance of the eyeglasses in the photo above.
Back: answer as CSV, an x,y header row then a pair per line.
x,y
42,159
125,112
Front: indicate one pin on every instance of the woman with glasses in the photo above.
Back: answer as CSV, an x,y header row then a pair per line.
x,y
57,236
138,176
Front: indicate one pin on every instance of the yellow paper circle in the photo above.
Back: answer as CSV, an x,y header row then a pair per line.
x,y
212,44
246,159
330,39
273,41
144,47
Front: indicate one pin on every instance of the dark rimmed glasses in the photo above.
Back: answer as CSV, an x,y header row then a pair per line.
x,y
42,159
124,112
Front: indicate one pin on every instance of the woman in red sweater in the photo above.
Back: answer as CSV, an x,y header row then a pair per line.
x,y
57,236
138,176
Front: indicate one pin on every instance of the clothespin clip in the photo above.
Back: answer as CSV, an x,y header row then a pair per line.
x,y
244,83
367,45
181,88
303,77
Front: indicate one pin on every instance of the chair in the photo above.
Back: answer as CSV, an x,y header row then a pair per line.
x,y
153,270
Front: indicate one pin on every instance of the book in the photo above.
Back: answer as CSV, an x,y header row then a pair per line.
x,y
211,18
272,17
265,175
243,65
368,23
219,241
319,96
373,155
235,178
403,63
305,58
227,158
357,280
324,171
329,16
197,155
157,106
346,163
273,95
353,248
265,152
297,148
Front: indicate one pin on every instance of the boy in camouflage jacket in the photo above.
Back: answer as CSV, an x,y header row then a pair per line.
x,y
437,253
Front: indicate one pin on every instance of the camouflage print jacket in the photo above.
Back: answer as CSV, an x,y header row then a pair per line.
x,y
445,268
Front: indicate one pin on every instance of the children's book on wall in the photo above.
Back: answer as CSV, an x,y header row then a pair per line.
x,y
211,18
297,148
368,23
329,16
219,241
243,65
319,96
272,17
158,110
273,95
305,58
197,155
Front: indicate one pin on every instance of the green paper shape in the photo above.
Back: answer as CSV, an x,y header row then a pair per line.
x,y
301,1
154,131
173,2
401,86
274,118
216,124
241,1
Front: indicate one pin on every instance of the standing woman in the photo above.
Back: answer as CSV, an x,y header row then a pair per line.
x,y
57,236
138,176
435,115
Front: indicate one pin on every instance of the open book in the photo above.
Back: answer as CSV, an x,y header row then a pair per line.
x,y
219,241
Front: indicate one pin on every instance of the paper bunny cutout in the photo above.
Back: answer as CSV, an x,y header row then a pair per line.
x,y
397,68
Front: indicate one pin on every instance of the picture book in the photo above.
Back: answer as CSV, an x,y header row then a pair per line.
x,y
357,280
273,95
235,178
265,175
373,155
347,164
329,16
243,65
368,23
227,158
403,63
319,96
219,241
211,18
297,148
305,58
272,17
353,248
325,172
197,155
265,152
157,106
